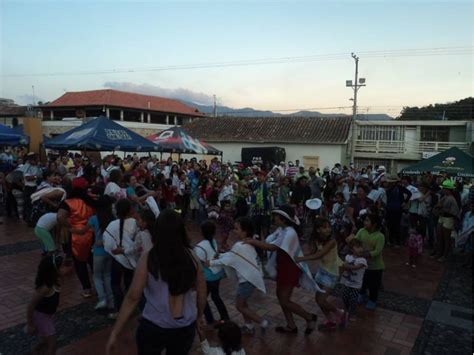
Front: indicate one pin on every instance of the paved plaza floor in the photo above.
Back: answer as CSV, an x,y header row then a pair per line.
x,y
427,310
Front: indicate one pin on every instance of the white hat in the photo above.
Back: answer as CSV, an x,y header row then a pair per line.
x,y
364,176
381,168
363,212
294,220
314,204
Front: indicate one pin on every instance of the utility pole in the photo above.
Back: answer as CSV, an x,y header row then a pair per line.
x,y
356,85
214,110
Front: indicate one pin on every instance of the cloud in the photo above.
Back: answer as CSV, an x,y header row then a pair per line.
x,y
27,99
148,89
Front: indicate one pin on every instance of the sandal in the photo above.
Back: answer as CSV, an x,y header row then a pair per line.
x,y
286,330
311,324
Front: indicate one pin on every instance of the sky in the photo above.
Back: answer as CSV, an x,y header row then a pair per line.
x,y
59,46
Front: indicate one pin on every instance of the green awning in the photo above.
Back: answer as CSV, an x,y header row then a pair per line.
x,y
453,161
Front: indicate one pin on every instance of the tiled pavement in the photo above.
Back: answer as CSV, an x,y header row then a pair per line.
x,y
394,328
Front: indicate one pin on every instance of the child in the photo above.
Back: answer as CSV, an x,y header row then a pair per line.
x,y
102,271
325,250
230,337
46,223
352,276
242,262
43,306
170,194
415,245
226,221
206,250
145,221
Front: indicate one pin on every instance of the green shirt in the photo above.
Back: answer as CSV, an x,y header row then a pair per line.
x,y
374,243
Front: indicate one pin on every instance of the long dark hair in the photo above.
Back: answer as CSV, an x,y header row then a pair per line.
x,y
47,274
104,212
123,209
170,258
315,237
230,336
149,218
208,230
246,225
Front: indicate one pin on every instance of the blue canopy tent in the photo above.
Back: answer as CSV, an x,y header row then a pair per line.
x,y
11,137
101,134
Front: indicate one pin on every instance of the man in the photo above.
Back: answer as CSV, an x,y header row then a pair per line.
x,y
31,171
316,183
397,197
261,206
379,178
301,173
292,170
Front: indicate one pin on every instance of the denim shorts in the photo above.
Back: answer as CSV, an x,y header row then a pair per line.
x,y
324,278
245,290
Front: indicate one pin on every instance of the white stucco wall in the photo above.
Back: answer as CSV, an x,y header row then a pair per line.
x,y
328,154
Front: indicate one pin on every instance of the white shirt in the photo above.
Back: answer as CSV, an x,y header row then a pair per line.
x,y
115,191
47,221
226,193
111,238
353,278
144,240
208,350
30,170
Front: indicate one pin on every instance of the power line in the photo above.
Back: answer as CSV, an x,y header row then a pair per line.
x,y
415,52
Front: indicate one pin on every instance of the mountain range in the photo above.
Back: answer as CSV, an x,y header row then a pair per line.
x,y
250,112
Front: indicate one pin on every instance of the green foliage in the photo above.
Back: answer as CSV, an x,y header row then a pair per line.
x,y
458,110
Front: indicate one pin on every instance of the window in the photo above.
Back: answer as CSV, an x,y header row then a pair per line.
x,y
434,134
381,133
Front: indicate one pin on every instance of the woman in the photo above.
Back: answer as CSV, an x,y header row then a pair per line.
x,y
361,202
289,274
168,275
113,188
132,185
119,241
373,242
207,250
448,210
74,213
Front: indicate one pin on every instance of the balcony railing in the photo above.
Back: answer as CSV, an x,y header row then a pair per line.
x,y
413,148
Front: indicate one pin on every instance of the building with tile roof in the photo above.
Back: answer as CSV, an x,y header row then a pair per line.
x,y
120,106
314,141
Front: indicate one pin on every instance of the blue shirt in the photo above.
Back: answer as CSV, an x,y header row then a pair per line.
x,y
94,223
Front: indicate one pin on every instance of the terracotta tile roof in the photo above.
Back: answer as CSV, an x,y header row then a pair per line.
x,y
123,99
307,130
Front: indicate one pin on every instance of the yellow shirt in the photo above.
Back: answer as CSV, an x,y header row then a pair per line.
x,y
331,262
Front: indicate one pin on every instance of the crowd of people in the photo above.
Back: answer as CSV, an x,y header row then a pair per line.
x,y
125,222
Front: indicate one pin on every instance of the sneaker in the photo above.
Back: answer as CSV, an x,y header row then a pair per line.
x,y
100,305
113,315
86,294
264,326
442,259
247,330
362,298
413,266
371,306
328,326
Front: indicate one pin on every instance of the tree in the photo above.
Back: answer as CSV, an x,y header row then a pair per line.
x,y
458,110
